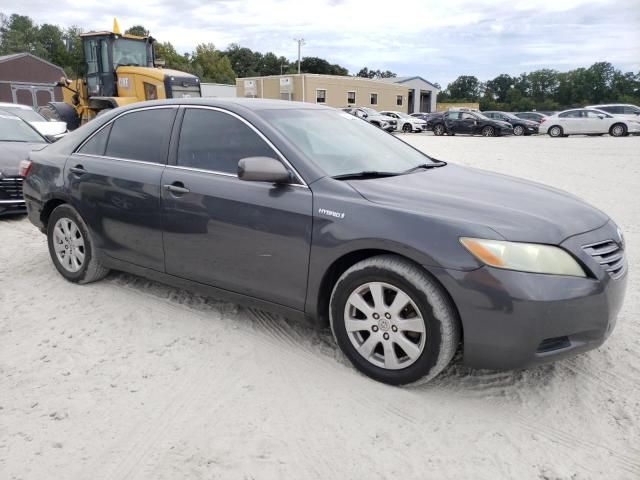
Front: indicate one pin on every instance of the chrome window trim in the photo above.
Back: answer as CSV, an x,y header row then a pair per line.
x,y
258,132
16,201
144,162
225,174
155,107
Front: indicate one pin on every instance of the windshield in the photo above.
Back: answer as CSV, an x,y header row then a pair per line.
x,y
12,129
27,115
130,52
370,111
510,115
340,143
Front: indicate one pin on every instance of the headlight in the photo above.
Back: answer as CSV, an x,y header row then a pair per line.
x,y
524,257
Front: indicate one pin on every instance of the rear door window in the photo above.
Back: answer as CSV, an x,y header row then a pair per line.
x,y
97,144
216,141
142,135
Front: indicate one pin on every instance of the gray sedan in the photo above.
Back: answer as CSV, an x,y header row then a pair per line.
x,y
312,213
17,139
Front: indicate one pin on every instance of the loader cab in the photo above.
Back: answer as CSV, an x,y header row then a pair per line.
x,y
104,52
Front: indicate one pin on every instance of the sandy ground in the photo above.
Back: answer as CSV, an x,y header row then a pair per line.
x,y
130,379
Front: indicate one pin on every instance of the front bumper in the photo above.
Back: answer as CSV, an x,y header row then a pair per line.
x,y
12,207
514,319
633,128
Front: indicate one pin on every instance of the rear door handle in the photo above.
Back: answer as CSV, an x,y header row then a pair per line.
x,y
177,187
78,170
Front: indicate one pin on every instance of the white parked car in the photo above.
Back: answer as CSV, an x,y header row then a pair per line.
x,y
37,121
406,122
587,121
625,110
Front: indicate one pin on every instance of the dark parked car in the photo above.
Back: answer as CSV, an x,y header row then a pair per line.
x,y
537,117
470,123
428,117
520,125
303,210
17,139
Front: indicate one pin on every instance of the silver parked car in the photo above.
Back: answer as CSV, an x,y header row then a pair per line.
x,y
625,110
45,127
406,122
588,121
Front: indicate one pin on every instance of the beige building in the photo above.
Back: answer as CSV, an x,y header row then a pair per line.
x,y
331,90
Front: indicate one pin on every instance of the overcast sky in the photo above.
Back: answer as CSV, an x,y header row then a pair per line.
x,y
438,40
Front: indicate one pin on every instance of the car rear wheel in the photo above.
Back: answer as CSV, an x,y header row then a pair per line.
x,y
407,128
439,129
518,130
618,130
394,323
71,247
555,131
488,131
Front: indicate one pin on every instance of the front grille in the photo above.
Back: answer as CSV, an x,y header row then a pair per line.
x,y
609,255
11,188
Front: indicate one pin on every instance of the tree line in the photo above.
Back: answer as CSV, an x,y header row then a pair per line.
x,y
547,89
62,46
544,89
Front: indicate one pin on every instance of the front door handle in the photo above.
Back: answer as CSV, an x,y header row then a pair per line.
x,y
78,170
177,187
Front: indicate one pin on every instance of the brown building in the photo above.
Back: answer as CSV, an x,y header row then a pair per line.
x,y
332,90
29,80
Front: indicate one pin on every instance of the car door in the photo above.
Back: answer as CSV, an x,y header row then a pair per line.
x,y
247,237
467,123
114,182
597,122
571,122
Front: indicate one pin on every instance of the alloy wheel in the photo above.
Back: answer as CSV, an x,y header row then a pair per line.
x,y
406,128
384,325
555,131
617,131
438,130
487,132
69,244
518,130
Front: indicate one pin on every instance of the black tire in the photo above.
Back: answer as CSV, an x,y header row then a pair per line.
x,y
439,129
519,130
90,270
50,113
441,324
488,131
618,130
407,128
555,131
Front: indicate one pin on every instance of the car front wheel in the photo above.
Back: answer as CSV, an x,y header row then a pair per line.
x,y
618,130
394,323
407,128
71,247
518,130
439,129
488,131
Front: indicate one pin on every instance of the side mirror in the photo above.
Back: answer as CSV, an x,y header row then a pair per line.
x,y
263,169
63,82
600,117
51,138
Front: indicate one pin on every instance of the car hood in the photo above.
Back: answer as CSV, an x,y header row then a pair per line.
x,y
515,208
50,128
12,153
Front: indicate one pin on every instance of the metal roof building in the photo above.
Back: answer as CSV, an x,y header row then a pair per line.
x,y
29,80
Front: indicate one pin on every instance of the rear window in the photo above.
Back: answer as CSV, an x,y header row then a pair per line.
x,y
97,144
141,135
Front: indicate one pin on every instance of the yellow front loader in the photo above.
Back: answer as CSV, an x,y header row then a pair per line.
x,y
119,69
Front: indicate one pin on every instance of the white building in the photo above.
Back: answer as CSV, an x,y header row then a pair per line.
x,y
423,94
218,90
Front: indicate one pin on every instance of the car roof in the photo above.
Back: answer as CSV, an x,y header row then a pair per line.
x,y
247,103
611,105
15,105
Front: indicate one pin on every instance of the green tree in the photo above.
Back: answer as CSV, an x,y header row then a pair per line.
x,y
465,88
138,30
212,65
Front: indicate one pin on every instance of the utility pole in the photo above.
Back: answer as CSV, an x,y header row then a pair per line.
x,y
300,43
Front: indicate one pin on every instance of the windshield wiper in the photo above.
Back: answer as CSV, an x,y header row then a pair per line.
x,y
365,174
426,166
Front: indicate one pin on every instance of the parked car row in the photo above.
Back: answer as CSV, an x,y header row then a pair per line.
x,y
616,120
